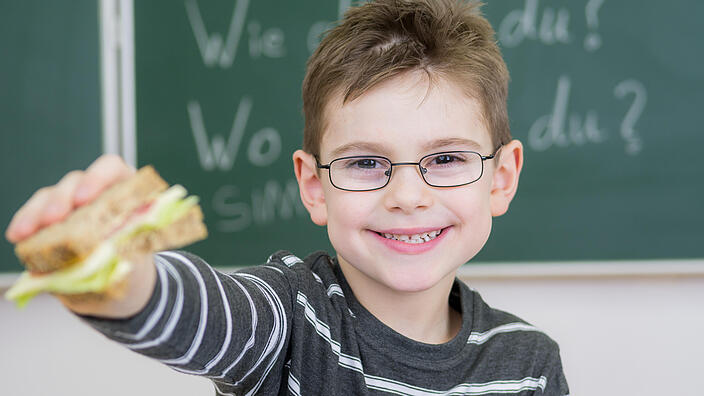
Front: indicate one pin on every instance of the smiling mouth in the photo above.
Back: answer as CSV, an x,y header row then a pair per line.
x,y
413,239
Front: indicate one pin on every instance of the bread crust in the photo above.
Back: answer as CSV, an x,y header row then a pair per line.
x,y
186,229
62,244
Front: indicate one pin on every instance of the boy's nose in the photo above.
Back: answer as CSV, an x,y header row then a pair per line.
x,y
407,191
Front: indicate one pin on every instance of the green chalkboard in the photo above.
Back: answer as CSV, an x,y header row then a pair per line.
x,y
49,99
606,96
219,111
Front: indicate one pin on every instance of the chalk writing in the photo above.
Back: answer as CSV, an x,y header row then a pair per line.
x,y
268,43
273,201
315,33
211,47
558,129
592,41
342,6
634,144
316,30
240,207
264,146
522,24
234,215
563,128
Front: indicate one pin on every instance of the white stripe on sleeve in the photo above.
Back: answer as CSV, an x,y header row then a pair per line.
x,y
195,344
175,311
250,342
158,312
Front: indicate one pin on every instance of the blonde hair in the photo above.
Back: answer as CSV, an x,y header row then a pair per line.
x,y
383,39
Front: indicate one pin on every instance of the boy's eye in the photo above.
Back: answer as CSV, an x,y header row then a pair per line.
x,y
445,159
365,163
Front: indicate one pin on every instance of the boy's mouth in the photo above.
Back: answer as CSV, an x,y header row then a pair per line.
x,y
414,238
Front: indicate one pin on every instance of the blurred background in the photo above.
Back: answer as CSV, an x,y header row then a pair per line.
x,y
602,247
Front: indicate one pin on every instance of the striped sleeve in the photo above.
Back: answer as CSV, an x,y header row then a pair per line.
x,y
233,329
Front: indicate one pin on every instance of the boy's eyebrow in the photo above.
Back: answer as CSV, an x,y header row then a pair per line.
x,y
365,147
440,143
369,147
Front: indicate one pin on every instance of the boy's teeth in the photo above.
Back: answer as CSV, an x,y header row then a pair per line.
x,y
415,238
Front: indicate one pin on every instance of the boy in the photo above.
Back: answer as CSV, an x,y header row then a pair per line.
x,y
407,155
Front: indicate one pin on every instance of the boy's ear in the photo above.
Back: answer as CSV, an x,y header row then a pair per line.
x,y
505,179
310,187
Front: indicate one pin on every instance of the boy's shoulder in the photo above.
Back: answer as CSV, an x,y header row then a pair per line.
x,y
506,337
314,273
316,266
289,259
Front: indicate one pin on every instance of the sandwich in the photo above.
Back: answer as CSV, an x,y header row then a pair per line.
x,y
91,250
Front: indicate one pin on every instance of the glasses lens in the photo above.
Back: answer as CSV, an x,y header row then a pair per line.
x,y
360,173
452,168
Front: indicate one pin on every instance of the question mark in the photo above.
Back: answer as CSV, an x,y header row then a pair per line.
x,y
593,40
633,142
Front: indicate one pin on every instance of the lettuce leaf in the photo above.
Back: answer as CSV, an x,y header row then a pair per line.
x,y
29,286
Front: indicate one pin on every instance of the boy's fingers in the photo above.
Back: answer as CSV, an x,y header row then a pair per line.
x,y
26,221
51,204
48,205
60,203
102,173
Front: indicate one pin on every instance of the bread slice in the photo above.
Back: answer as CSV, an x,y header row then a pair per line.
x,y
71,240
187,229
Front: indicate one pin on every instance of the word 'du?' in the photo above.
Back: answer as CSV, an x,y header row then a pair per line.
x,y
564,128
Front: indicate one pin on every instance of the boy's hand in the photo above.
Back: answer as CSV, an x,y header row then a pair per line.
x,y
52,204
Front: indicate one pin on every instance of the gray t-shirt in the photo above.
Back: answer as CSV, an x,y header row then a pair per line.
x,y
294,327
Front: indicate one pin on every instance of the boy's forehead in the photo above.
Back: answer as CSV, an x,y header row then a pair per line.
x,y
403,114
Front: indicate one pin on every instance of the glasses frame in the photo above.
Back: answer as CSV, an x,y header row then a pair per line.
x,y
422,170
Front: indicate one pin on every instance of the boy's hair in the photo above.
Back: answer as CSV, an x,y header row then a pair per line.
x,y
377,41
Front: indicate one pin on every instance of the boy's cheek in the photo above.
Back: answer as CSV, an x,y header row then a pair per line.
x,y
345,208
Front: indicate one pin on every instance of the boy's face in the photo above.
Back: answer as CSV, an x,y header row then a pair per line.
x,y
402,120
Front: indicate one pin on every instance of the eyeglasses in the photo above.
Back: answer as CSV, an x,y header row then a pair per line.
x,y
372,172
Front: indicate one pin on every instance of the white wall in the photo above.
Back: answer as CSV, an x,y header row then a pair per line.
x,y
45,350
624,335
639,336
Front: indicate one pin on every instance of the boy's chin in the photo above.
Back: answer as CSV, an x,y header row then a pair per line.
x,y
397,277
412,282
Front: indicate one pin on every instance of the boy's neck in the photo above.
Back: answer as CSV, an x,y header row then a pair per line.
x,y
425,316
